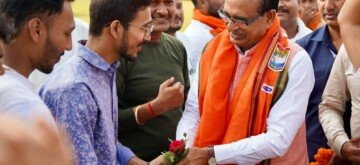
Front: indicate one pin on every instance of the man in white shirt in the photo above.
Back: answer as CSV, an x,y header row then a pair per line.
x,y
43,33
288,14
204,25
173,30
80,32
236,104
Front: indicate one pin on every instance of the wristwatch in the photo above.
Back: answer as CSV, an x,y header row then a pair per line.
x,y
211,155
210,152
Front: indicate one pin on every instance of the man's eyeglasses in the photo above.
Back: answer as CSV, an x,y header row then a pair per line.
x,y
148,30
235,21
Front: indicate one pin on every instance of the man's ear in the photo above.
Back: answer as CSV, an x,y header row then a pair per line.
x,y
116,29
270,17
37,29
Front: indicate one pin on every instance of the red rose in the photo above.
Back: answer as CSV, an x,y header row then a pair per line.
x,y
177,146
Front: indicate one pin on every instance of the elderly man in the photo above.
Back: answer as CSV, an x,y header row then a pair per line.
x,y
322,46
204,26
249,100
82,93
41,37
288,14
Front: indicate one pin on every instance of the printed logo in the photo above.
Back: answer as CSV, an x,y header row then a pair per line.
x,y
267,88
278,58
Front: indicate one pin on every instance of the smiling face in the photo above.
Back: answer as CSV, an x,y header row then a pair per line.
x,y
246,36
162,13
136,34
178,21
329,10
288,11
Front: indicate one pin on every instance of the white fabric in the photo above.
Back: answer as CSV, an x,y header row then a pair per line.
x,y
186,42
199,35
285,118
18,98
80,32
302,30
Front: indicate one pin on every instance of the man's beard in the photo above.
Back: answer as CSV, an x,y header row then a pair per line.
x,y
173,29
49,54
124,48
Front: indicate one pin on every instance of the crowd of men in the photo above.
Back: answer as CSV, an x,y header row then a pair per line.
x,y
248,82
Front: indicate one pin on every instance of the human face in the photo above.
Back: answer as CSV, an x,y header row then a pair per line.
x,y
178,21
288,11
136,34
58,39
329,10
162,13
242,35
213,6
309,5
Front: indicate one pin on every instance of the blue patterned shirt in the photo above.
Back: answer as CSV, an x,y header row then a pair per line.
x,y
81,95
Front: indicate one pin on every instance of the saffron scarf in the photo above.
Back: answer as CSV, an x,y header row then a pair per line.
x,y
246,115
217,24
316,22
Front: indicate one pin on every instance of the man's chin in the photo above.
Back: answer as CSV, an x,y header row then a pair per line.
x,y
130,57
46,70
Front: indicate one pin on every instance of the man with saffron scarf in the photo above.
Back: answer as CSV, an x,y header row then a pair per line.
x,y
249,101
204,26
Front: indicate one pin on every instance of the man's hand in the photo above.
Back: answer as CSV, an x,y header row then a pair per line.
x,y
157,161
351,150
196,156
308,14
170,96
337,160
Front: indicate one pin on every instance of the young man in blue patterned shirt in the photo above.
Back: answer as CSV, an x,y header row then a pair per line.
x,y
82,93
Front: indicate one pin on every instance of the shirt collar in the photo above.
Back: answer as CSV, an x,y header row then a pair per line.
x,y
322,35
247,52
94,58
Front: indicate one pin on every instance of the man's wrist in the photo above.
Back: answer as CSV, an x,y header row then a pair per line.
x,y
210,152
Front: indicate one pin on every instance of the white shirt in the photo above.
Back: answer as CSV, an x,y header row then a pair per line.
x,y
285,118
18,98
199,35
186,42
302,30
80,32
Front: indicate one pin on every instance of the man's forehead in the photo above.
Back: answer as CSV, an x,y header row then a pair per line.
x,y
241,7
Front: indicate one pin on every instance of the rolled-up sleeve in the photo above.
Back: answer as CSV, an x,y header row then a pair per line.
x,y
333,104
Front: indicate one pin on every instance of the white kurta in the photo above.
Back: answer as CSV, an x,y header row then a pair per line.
x,y
285,118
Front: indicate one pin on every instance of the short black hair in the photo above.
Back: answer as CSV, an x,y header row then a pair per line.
x,y
267,5
102,12
22,11
6,28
